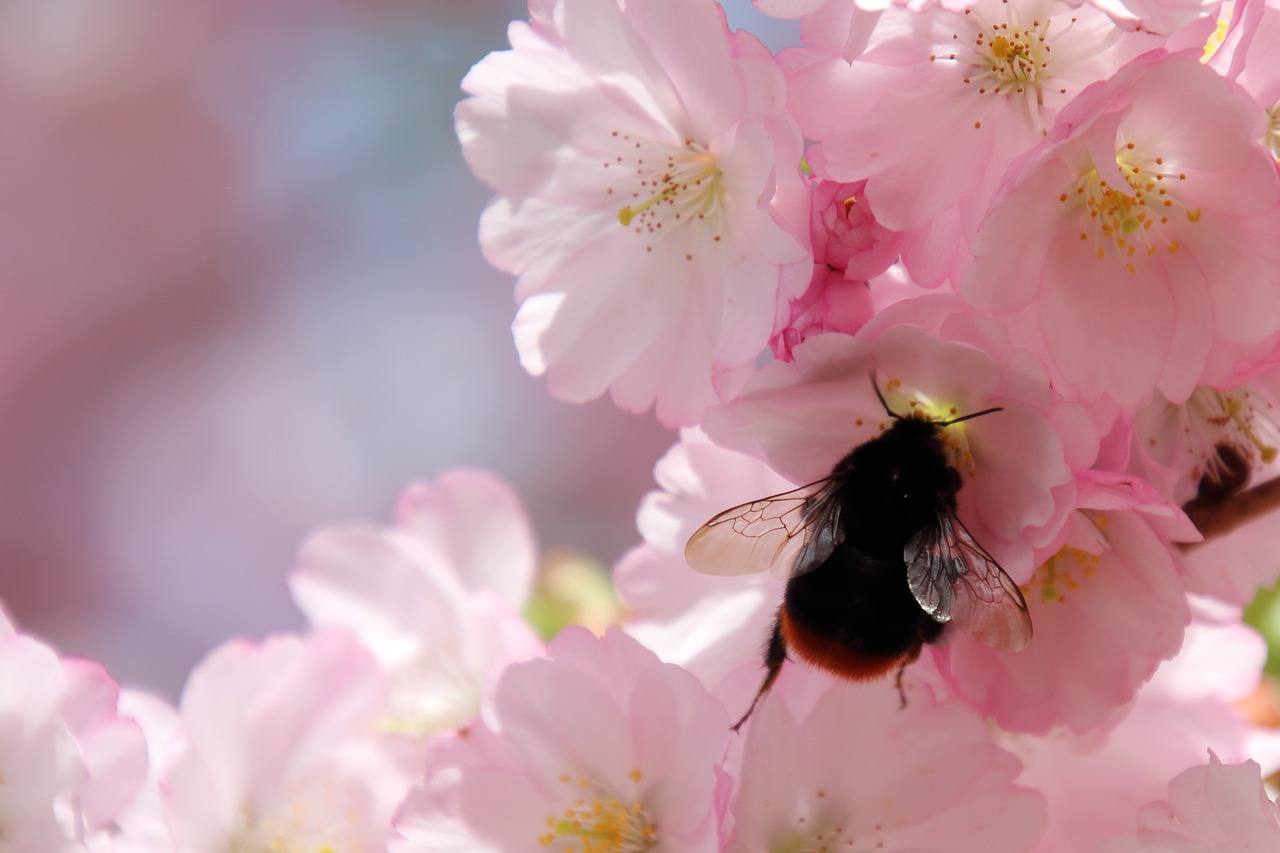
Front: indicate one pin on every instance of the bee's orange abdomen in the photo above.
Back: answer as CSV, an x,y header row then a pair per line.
x,y
837,658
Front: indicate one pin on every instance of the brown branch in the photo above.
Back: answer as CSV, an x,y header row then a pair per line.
x,y
1219,519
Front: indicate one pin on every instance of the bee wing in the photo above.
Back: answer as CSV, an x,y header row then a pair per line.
x,y
789,532
954,579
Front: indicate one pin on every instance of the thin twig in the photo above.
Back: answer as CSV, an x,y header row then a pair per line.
x,y
1220,519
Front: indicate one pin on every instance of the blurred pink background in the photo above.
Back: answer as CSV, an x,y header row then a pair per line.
x,y
243,299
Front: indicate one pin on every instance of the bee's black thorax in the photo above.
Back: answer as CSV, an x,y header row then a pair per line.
x,y
892,486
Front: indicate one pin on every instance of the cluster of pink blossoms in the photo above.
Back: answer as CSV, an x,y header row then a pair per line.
x,y
1064,211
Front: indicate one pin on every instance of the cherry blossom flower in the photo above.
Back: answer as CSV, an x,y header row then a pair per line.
x,y
599,747
708,624
849,248
988,78
41,769
829,766
1213,807
635,150
846,235
1096,782
277,750
436,598
1140,243
69,762
1108,606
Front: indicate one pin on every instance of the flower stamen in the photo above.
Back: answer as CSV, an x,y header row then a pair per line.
x,y
668,185
1130,221
320,817
1060,574
601,824
1005,55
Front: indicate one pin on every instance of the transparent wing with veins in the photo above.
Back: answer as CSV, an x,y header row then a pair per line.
x,y
954,579
788,533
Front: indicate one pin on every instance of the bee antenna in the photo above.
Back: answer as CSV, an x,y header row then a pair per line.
x,y
971,416
880,397
875,385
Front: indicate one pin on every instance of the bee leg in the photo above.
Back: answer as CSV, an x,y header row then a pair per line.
x,y
775,654
897,682
911,657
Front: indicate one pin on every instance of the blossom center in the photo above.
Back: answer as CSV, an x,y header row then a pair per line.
x,y
597,822
1006,56
1061,573
665,186
432,692
1130,221
318,817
